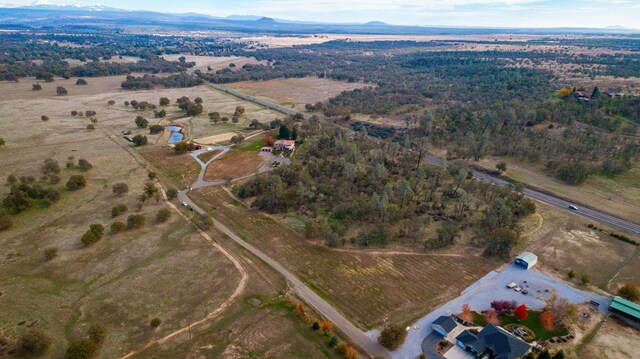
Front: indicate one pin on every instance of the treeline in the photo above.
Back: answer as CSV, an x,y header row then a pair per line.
x,y
150,81
472,103
36,54
367,193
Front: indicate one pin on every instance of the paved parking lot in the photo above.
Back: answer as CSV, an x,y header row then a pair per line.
x,y
491,287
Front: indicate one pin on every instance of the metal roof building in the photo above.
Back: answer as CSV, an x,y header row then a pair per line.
x,y
625,307
527,259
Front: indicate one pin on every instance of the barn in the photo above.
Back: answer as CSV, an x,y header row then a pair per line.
x,y
527,259
625,308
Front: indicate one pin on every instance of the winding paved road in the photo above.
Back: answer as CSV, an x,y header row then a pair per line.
x,y
357,336
542,197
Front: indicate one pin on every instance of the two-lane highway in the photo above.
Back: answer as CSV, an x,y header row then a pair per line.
x,y
554,201
542,197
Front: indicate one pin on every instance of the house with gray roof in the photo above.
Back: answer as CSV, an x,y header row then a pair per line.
x,y
444,325
493,342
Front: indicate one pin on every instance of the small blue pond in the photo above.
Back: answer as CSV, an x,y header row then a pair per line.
x,y
176,137
174,128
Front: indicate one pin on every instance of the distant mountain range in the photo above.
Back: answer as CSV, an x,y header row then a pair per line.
x,y
40,15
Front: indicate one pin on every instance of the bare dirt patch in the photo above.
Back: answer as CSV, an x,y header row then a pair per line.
x,y
564,243
297,91
179,169
215,139
614,340
233,164
215,62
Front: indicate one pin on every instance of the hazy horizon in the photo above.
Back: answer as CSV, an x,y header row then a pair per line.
x,y
474,13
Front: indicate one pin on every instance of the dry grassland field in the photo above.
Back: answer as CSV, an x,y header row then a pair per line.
x,y
286,41
215,62
257,325
619,196
614,340
296,92
233,164
124,280
180,170
367,287
564,243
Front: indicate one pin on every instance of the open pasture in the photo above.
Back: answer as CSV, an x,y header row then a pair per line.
x,y
366,287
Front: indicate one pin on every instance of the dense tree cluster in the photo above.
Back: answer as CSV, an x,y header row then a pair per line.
x,y
479,102
373,193
149,81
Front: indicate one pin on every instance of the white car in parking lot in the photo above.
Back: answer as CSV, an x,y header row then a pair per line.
x,y
517,289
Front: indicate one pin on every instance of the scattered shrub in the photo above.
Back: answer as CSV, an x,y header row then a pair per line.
x,y
117,227
33,343
135,221
81,349
120,189
6,221
392,336
140,140
50,254
163,215
172,193
155,322
155,129
76,182
84,164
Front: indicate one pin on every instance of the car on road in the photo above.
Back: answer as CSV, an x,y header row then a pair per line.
x,y
573,207
184,203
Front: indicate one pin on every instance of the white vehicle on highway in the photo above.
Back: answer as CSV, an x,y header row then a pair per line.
x,y
573,207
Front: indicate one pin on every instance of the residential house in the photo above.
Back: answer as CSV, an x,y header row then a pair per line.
x,y
284,145
444,325
493,342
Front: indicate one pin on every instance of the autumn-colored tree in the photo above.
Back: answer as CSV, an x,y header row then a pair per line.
x,y
268,140
546,320
492,317
521,312
300,311
466,313
565,91
557,306
350,352
326,326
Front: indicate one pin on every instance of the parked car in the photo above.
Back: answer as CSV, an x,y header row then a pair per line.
x,y
191,209
525,292
573,207
511,285
517,289
184,203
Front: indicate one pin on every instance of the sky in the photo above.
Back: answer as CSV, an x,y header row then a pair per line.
x,y
487,13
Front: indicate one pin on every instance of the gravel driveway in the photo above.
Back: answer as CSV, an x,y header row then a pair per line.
x,y
492,286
